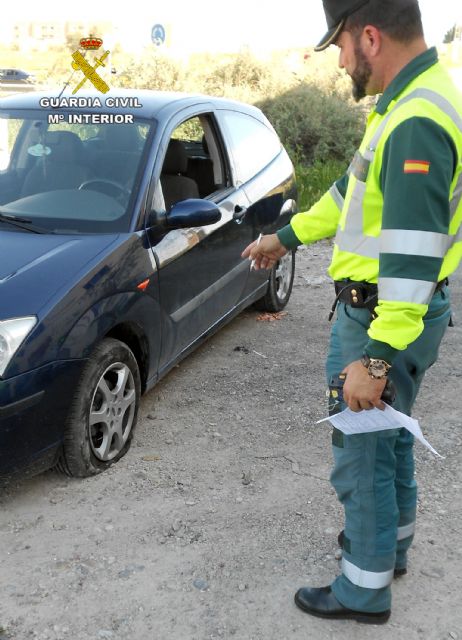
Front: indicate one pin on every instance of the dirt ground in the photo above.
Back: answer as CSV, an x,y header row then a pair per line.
x,y
222,508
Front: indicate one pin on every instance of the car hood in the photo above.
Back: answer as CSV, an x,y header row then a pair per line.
x,y
33,267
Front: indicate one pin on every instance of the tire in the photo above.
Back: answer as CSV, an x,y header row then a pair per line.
x,y
280,284
109,389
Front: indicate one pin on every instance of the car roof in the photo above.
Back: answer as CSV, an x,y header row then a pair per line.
x,y
152,102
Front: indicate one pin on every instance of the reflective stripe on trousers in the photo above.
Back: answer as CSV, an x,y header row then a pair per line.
x,y
406,531
366,579
375,579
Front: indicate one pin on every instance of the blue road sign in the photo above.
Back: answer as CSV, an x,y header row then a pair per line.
x,y
158,34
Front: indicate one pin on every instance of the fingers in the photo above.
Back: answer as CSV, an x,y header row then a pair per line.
x,y
363,404
266,252
356,404
264,262
248,249
360,391
251,250
362,400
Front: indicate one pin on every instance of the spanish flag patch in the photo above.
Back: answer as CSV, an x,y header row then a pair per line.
x,y
416,166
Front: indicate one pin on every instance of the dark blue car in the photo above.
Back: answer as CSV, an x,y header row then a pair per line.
x,y
122,221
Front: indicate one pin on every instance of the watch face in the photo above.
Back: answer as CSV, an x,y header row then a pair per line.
x,y
378,368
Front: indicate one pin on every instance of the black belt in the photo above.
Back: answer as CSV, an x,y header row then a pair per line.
x,y
362,295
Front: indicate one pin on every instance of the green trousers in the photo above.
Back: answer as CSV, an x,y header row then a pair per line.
x,y
373,473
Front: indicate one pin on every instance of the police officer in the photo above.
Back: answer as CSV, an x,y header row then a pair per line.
x,y
396,216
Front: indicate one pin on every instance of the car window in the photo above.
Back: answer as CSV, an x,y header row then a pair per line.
x,y
68,177
193,165
125,136
254,145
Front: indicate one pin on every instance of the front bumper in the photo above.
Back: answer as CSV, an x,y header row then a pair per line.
x,y
33,412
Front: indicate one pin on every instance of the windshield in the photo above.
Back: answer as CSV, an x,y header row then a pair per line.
x,y
70,178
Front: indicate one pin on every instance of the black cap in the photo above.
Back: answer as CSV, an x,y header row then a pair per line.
x,y
337,11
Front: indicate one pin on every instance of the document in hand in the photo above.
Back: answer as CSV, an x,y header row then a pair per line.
x,y
349,422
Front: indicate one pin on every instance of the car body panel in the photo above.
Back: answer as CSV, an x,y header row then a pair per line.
x,y
217,276
30,403
52,260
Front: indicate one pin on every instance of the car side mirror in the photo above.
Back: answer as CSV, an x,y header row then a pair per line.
x,y
193,212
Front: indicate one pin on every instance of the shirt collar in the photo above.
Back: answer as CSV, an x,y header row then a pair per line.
x,y
413,69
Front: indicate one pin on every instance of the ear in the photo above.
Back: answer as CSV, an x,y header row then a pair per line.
x,y
371,40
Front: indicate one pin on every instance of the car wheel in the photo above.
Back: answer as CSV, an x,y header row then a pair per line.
x,y
104,411
280,283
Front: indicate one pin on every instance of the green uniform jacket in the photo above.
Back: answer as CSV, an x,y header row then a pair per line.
x,y
397,213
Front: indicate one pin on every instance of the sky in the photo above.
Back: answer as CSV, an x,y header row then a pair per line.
x,y
211,25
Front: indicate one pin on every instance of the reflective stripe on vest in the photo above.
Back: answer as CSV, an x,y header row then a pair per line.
x,y
414,243
406,290
352,237
366,579
458,236
360,167
406,531
456,197
337,196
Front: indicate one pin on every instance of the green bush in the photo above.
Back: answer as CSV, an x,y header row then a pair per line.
x,y
315,179
310,107
315,126
242,70
155,72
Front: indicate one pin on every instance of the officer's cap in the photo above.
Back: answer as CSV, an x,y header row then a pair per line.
x,y
337,11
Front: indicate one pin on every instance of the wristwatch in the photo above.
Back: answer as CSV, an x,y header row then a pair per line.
x,y
377,369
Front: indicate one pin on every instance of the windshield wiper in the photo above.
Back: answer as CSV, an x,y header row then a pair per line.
x,y
22,223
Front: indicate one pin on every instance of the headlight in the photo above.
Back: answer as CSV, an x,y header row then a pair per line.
x,y
12,333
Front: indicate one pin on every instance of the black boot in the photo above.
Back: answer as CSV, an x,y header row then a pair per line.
x,y
322,603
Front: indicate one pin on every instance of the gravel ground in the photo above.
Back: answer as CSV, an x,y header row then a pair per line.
x,y
222,508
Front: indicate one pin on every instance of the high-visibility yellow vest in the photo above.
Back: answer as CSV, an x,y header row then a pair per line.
x,y
363,246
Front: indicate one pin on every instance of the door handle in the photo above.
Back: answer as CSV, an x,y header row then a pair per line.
x,y
239,214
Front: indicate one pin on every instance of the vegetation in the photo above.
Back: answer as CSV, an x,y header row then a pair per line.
x,y
304,96
309,105
306,99
450,35
315,126
313,180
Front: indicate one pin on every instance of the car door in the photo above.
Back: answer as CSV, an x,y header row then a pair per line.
x,y
266,174
201,272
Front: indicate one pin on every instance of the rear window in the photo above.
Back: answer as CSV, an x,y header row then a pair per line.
x,y
254,145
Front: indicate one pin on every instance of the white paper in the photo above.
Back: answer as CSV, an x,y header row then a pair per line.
x,y
349,422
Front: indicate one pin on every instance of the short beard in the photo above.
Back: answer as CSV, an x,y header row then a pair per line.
x,y
361,75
